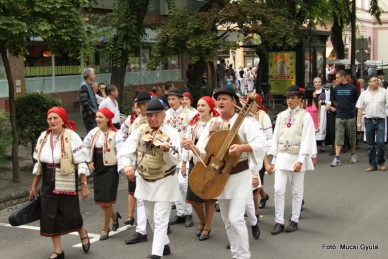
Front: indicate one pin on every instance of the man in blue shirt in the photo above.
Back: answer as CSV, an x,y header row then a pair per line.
x,y
344,97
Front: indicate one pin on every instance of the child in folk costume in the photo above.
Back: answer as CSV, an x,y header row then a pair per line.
x,y
103,143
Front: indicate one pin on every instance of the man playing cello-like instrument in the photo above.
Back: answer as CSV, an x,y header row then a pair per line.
x,y
234,196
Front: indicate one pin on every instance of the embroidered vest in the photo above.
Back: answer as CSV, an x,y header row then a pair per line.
x,y
109,153
290,131
67,166
140,120
151,164
179,122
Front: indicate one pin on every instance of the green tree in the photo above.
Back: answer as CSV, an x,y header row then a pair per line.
x,y
123,30
61,25
5,135
31,124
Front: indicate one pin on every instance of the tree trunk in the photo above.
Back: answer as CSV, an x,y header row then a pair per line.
x,y
118,77
196,84
336,38
211,74
12,108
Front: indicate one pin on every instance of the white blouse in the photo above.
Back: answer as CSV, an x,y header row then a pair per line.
x,y
47,155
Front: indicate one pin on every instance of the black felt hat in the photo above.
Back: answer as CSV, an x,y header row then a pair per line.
x,y
294,90
143,97
226,90
380,72
175,91
155,105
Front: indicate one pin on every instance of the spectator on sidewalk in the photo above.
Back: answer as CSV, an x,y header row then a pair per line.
x,y
111,103
345,98
87,99
372,103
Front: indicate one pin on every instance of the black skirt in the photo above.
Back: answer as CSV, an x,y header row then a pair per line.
x,y
60,214
105,180
191,197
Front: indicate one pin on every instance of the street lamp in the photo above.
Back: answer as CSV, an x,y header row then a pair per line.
x,y
234,58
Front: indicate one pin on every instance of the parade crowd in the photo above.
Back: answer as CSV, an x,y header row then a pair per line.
x,y
212,157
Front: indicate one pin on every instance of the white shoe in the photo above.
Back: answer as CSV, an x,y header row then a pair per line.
x,y
336,162
353,158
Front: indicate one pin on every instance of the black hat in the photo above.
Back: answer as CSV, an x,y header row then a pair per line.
x,y
380,73
294,90
226,90
155,105
143,97
175,91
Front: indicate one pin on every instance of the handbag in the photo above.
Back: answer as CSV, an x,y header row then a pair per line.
x,y
29,212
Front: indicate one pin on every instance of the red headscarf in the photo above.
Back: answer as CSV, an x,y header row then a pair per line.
x,y
107,113
63,115
188,95
259,102
212,106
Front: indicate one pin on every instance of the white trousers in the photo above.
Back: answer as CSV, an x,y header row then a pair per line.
x,y
141,226
182,207
297,186
158,214
250,211
232,213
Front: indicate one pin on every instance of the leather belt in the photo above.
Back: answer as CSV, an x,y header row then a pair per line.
x,y
240,166
169,172
51,165
98,149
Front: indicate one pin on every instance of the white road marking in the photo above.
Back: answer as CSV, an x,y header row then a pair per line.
x,y
93,237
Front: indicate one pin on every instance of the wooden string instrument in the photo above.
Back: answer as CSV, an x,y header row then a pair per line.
x,y
208,179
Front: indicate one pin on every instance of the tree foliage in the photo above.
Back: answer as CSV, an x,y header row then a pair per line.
x,y
61,26
5,135
32,123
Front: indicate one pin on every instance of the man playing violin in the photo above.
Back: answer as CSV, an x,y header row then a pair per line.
x,y
156,164
251,151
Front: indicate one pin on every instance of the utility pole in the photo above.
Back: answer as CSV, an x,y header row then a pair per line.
x,y
353,39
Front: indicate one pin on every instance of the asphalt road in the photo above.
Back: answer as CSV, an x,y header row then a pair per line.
x,y
345,216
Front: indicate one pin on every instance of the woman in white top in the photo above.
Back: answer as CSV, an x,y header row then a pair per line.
x,y
60,156
203,208
103,143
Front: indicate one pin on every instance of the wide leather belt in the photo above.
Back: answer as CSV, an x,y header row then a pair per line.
x,y
240,167
51,165
168,172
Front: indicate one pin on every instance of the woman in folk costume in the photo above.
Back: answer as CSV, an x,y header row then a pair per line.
x,y
322,97
60,156
203,208
187,101
103,143
252,207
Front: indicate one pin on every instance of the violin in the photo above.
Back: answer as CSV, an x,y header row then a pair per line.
x,y
157,138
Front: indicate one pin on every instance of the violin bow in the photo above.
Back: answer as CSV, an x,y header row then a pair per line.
x,y
196,154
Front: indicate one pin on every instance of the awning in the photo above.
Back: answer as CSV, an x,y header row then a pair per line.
x,y
328,51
